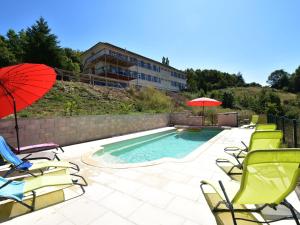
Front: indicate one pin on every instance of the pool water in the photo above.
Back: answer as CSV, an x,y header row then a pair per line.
x,y
170,144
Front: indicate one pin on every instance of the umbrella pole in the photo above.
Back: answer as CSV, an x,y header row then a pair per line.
x,y
15,113
203,118
16,125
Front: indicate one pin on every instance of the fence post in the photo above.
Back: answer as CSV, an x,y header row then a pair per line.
x,y
283,129
295,133
268,118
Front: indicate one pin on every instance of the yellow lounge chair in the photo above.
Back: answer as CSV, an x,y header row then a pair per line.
x,y
269,176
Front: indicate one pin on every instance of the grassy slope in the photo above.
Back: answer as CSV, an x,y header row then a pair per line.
x,y
80,99
239,91
69,98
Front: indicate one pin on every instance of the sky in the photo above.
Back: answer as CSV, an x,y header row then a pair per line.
x,y
254,37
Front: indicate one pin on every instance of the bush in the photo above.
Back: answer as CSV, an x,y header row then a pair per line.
x,y
227,99
150,99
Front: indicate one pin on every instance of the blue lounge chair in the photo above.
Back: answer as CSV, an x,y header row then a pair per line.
x,y
22,165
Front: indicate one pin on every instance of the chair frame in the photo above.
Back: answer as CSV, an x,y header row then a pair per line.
x,y
32,206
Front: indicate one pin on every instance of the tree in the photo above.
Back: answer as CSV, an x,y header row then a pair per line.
x,y
279,79
227,99
16,44
239,79
6,56
163,61
70,60
41,46
191,80
167,61
296,80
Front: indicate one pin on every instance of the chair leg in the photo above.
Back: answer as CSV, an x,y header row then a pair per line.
x,y
291,208
228,203
76,167
82,185
33,200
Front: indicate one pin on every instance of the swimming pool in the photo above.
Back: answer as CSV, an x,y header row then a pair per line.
x,y
168,144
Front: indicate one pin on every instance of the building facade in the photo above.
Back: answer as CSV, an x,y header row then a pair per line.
x,y
107,60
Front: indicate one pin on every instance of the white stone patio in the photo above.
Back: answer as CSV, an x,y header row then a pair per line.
x,y
163,194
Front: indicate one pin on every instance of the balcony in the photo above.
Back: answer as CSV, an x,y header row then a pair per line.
x,y
110,57
116,73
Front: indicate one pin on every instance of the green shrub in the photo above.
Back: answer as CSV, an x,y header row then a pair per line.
x,y
227,99
150,99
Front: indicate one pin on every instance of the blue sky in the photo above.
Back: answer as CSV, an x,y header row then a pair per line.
x,y
254,37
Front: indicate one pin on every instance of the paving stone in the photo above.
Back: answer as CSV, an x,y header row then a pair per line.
x,y
120,203
149,215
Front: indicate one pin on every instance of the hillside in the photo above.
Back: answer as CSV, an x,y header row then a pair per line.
x,y
253,91
74,98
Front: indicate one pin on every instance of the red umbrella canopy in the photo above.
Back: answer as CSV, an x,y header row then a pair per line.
x,y
204,102
26,83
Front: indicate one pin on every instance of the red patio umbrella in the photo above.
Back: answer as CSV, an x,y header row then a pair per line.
x,y
21,85
203,102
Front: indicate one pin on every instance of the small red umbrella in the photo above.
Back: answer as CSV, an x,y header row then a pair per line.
x,y
21,85
203,102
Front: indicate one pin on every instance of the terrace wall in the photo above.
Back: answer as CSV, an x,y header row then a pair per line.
x,y
228,119
185,118
72,130
78,129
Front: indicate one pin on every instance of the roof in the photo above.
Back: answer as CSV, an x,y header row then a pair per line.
x,y
130,52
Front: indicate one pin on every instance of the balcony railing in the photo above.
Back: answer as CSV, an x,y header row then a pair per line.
x,y
115,72
109,56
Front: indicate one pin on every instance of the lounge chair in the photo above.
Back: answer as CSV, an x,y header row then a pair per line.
x,y
35,151
258,140
22,165
265,126
269,176
254,120
18,190
39,147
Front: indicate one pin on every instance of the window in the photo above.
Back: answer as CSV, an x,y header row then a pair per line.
x,y
155,79
132,59
113,69
143,76
119,70
135,74
149,77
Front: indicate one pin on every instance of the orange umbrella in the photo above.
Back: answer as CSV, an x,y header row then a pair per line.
x,y
203,102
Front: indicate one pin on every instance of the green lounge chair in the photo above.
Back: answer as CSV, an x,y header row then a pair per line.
x,y
254,121
265,126
258,140
26,188
259,127
269,176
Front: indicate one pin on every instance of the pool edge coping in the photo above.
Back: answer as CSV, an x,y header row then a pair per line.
x,y
88,158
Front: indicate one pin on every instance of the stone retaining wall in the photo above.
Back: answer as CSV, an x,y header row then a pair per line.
x,y
228,119
72,130
185,118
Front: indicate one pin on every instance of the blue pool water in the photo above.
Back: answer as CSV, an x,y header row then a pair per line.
x,y
171,144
